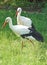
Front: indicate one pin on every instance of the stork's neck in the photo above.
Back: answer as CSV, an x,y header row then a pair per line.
x,y
18,18
10,24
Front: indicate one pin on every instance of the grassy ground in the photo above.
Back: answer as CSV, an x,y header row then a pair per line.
x,y
10,45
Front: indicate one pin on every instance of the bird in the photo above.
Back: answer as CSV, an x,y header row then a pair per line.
x,y
22,20
23,31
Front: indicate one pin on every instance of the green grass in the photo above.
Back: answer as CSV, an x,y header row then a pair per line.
x,y
10,44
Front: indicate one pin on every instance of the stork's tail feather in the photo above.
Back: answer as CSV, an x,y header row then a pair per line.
x,y
37,36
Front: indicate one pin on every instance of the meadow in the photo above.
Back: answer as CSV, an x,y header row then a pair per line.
x,y
11,52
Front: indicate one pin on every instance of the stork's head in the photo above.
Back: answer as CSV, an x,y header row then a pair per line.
x,y
7,20
19,10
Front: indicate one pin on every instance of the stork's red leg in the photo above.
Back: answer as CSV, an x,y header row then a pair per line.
x,y
30,41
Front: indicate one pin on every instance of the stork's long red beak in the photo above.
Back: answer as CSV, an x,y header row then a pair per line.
x,y
17,13
4,24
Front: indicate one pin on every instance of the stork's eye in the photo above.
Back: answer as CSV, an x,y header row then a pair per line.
x,y
18,10
7,20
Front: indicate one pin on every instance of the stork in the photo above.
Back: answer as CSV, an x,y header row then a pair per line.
x,y
23,31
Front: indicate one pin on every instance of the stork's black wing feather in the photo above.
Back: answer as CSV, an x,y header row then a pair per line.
x,y
34,34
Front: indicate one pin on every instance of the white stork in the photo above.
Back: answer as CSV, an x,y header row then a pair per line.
x,y
23,31
21,20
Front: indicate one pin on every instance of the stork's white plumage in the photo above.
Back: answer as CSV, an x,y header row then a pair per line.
x,y
17,29
21,20
23,31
